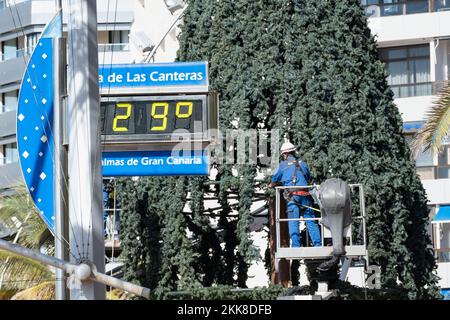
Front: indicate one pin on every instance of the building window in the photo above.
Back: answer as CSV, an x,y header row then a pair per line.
x,y
425,165
32,40
417,6
441,5
443,169
384,8
424,159
10,153
9,49
390,7
119,36
3,4
424,162
9,101
114,41
409,70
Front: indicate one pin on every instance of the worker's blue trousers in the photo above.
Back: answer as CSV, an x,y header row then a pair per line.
x,y
293,211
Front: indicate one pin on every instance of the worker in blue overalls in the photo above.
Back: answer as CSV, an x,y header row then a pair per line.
x,y
294,172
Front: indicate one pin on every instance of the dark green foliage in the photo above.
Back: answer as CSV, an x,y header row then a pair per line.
x,y
309,68
228,293
347,126
177,269
156,247
140,235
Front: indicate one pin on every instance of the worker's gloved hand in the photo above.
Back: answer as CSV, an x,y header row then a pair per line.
x,y
328,265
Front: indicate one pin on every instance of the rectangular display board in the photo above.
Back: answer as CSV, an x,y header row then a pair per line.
x,y
151,115
146,120
154,163
148,111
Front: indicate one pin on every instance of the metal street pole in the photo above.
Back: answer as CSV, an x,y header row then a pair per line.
x,y
81,272
85,172
60,164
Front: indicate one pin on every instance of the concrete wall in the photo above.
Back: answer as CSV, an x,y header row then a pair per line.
x,y
414,108
10,175
407,29
438,191
154,19
40,12
12,70
443,271
7,124
115,57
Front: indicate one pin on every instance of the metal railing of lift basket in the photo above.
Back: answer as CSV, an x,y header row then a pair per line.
x,y
352,249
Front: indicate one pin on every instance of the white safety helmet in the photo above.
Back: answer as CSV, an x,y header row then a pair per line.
x,y
287,147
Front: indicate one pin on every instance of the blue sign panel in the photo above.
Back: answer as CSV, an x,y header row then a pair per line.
x,y
154,163
35,123
183,74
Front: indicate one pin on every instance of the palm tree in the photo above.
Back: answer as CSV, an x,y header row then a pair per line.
x,y
18,214
434,132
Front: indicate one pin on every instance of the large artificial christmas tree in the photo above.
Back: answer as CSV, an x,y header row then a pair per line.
x,y
347,126
310,69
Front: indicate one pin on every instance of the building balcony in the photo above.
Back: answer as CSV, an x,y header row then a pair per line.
x,y
29,13
402,27
113,47
10,175
381,9
8,124
443,271
20,53
38,13
413,100
114,53
12,70
438,191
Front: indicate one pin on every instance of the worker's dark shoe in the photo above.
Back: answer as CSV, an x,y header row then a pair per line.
x,y
328,265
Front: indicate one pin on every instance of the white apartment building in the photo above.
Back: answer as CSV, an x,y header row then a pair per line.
x,y
414,41
21,22
413,37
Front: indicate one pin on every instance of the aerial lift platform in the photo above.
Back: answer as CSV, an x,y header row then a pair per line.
x,y
341,215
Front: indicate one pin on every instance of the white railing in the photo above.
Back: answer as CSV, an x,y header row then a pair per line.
x,y
112,223
24,52
113,47
5,161
354,247
405,7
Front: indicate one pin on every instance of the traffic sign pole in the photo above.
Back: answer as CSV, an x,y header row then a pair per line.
x,y
84,157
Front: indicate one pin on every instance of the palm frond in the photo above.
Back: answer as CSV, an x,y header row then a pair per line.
x,y
44,291
18,208
20,273
436,127
17,272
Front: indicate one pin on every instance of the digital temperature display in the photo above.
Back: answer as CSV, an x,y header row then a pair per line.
x,y
145,120
150,117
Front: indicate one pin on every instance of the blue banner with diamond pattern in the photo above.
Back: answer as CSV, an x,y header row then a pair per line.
x,y
35,123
